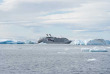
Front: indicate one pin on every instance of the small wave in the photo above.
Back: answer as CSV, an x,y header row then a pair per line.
x,y
108,47
66,49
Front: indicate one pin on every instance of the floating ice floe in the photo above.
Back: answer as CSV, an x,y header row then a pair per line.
x,y
94,49
108,47
85,49
93,59
98,50
61,52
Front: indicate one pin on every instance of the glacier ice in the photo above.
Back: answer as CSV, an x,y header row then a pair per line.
x,y
11,42
91,42
79,42
97,42
98,50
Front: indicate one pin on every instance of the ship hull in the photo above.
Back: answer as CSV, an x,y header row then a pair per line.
x,y
54,40
57,42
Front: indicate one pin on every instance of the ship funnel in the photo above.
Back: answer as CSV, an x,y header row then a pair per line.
x,y
50,35
47,34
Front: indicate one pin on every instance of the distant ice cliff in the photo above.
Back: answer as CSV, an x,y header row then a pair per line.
x,y
97,42
91,42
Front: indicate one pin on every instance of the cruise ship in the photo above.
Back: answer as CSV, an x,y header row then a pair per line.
x,y
54,40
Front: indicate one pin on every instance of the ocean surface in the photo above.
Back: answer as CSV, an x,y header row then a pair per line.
x,y
53,59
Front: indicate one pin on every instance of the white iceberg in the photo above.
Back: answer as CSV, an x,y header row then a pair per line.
x,y
85,49
93,59
95,49
79,42
98,50
91,42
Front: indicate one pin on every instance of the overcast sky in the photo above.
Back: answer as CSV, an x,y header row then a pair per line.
x,y
74,19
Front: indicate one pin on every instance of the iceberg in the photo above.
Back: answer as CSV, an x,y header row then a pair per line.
x,y
93,59
85,49
74,42
20,42
30,42
91,42
97,42
95,49
79,42
11,42
98,50
107,42
7,42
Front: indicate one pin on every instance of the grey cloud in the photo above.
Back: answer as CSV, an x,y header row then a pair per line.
x,y
25,14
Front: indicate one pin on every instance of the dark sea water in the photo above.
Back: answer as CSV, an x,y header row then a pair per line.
x,y
53,59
